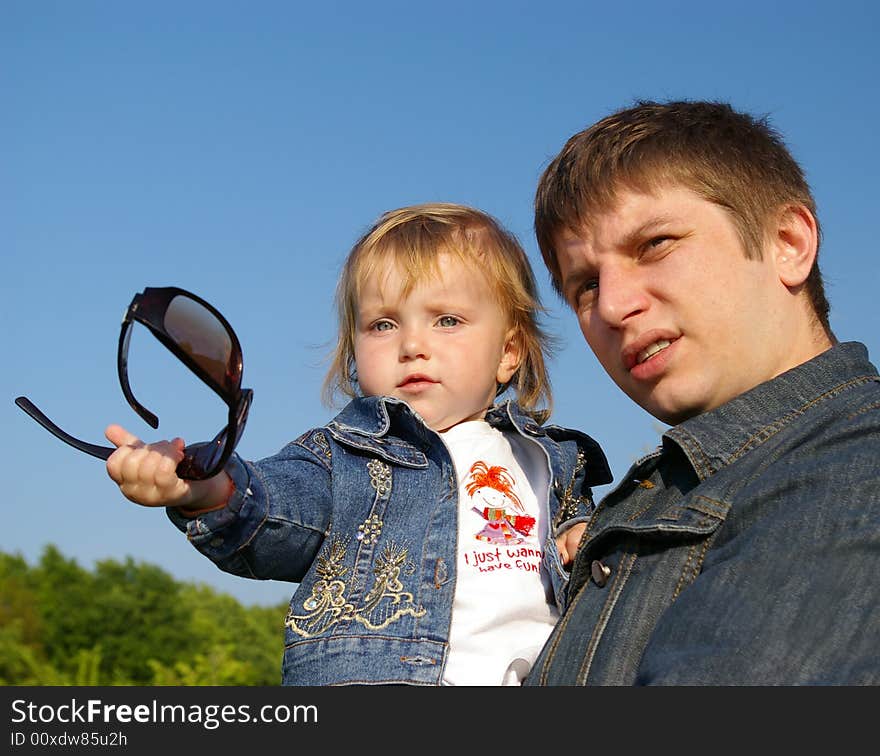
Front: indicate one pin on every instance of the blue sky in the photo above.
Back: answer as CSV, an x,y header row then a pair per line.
x,y
238,150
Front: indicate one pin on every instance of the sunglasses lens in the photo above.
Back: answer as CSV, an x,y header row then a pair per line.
x,y
204,338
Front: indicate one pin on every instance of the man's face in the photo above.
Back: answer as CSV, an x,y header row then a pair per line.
x,y
668,302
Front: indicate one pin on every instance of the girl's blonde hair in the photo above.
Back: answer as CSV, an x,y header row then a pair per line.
x,y
413,238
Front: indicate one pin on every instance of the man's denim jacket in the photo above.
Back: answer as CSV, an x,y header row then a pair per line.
x,y
745,551
363,513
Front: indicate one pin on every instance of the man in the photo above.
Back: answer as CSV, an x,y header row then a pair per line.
x,y
746,549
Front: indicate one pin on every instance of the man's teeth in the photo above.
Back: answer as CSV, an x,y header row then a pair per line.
x,y
650,351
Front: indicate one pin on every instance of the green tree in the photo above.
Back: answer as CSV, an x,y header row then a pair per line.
x,y
128,623
253,635
22,657
141,617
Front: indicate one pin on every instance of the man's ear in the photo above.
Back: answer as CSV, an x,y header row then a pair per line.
x,y
795,244
511,357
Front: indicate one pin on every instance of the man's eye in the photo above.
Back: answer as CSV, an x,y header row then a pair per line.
x,y
448,321
657,244
586,294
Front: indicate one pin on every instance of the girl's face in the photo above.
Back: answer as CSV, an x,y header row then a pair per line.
x,y
442,348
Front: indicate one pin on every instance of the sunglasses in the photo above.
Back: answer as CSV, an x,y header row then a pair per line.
x,y
202,339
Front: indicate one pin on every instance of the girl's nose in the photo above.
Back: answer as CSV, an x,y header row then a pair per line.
x,y
414,345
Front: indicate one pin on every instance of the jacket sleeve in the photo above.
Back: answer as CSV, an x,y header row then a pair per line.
x,y
573,488
276,519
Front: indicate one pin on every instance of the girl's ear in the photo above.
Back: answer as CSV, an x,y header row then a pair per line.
x,y
794,245
511,357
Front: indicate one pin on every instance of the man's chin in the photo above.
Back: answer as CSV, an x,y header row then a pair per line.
x,y
668,410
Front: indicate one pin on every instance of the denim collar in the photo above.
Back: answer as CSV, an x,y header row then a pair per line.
x,y
717,438
379,416
389,428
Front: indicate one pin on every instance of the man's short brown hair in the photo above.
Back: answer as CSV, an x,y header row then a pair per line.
x,y
730,158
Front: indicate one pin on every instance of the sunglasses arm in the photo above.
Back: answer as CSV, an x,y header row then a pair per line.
x,y
102,452
122,369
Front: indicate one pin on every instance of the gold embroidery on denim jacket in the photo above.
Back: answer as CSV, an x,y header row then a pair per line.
x,y
327,605
569,504
316,443
380,476
370,529
321,440
387,601
380,479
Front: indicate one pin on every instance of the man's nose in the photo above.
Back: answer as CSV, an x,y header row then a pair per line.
x,y
622,293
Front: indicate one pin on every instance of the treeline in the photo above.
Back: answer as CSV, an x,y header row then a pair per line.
x,y
128,623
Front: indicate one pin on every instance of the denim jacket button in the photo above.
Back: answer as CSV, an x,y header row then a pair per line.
x,y
599,572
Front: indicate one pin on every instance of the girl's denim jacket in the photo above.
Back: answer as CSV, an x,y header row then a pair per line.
x,y
363,514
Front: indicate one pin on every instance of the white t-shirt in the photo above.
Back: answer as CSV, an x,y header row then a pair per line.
x,y
501,613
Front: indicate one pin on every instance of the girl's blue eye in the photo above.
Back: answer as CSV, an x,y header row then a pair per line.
x,y
448,321
382,325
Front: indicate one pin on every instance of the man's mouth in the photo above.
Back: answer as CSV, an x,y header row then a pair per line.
x,y
651,350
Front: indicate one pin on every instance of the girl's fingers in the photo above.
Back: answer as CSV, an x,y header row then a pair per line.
x,y
118,436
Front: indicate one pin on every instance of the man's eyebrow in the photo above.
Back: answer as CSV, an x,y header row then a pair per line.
x,y
650,226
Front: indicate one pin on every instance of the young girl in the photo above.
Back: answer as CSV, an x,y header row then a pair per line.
x,y
427,526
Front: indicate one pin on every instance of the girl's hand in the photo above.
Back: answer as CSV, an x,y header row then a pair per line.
x,y
147,474
567,543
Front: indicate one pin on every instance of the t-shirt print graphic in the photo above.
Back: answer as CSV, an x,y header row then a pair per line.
x,y
492,492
